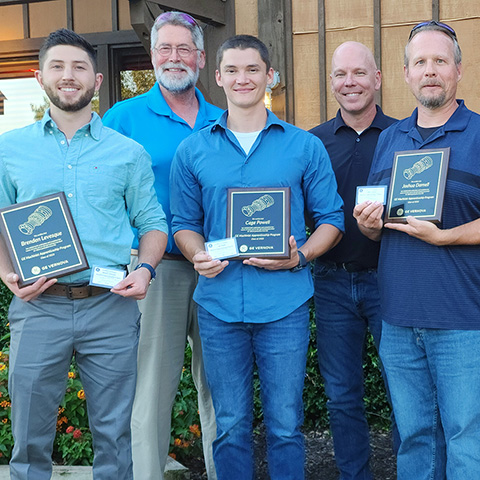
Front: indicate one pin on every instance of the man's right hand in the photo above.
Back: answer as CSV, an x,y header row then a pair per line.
x,y
31,291
204,265
369,219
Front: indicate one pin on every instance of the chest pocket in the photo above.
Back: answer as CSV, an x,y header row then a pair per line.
x,y
106,185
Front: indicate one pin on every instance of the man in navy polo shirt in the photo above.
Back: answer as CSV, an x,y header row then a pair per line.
x,y
346,292
429,274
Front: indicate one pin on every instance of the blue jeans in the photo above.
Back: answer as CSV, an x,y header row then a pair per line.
x,y
279,349
434,378
346,304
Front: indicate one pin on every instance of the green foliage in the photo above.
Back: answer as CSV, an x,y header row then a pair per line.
x,y
135,82
39,110
185,438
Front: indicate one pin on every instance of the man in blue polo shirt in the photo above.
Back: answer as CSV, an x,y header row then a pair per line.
x,y
159,120
346,290
255,311
429,274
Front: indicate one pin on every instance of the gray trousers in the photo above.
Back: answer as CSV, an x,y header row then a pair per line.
x,y
103,331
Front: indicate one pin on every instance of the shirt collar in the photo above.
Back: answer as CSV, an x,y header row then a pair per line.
x,y
272,120
380,121
159,105
458,121
94,126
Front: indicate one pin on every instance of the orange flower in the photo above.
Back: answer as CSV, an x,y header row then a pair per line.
x,y
177,442
2,367
172,455
195,430
5,404
81,394
69,429
5,420
71,374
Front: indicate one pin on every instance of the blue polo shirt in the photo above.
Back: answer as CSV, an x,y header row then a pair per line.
x,y
351,154
150,121
211,161
422,285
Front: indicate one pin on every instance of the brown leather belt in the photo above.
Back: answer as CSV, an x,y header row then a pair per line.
x,y
74,292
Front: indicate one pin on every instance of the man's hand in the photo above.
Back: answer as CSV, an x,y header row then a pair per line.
x,y
421,229
369,218
134,285
269,264
31,292
204,265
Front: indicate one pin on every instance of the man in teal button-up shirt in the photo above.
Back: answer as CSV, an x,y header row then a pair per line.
x,y
108,183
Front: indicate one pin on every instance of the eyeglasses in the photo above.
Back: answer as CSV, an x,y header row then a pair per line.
x,y
165,17
183,52
446,28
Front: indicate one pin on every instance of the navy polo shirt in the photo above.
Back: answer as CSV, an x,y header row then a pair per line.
x,y
351,155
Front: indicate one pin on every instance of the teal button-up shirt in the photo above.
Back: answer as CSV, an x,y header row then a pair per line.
x,y
107,179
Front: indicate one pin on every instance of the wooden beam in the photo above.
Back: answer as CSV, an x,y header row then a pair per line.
x,y
377,40
70,21
322,60
208,11
26,21
436,10
20,2
115,19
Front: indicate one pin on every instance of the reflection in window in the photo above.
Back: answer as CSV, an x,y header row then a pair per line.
x,y
21,96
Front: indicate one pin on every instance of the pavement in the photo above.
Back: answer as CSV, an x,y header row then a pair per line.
x,y
173,471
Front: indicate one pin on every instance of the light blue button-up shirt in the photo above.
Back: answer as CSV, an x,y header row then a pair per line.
x,y
107,179
208,163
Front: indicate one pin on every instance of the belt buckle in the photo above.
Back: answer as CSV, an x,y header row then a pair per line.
x,y
69,292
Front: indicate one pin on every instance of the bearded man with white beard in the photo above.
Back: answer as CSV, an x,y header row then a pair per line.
x,y
159,120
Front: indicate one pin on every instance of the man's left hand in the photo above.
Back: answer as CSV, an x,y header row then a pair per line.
x,y
134,285
284,264
421,229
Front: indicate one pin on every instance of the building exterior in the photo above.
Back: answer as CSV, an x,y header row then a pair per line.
x,y
301,34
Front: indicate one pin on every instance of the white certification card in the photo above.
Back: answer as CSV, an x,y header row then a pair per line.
x,y
374,193
106,277
225,248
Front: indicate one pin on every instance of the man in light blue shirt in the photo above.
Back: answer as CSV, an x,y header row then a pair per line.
x,y
108,183
159,120
255,311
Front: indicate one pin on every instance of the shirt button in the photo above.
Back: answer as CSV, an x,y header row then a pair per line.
x,y
51,132
63,142
358,139
70,195
70,167
86,134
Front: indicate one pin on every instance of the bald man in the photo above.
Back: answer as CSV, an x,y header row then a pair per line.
x,y
346,293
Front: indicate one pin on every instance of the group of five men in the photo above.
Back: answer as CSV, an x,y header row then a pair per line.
x,y
255,311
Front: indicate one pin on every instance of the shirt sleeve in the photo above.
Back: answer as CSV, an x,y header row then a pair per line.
x,y
323,202
144,210
8,194
185,194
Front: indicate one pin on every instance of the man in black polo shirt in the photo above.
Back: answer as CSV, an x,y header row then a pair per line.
x,y
346,293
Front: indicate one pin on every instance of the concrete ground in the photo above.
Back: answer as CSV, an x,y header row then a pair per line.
x,y
173,471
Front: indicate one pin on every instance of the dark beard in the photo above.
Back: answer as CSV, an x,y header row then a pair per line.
x,y
82,102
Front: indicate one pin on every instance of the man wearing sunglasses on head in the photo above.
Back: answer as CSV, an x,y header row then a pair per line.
x,y
429,274
159,120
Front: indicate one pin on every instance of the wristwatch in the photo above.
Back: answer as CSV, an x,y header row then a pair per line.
x,y
153,274
302,262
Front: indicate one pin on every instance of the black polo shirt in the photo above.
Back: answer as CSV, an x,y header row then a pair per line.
x,y
351,155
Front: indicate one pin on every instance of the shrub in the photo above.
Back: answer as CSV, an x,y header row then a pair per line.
x,y
73,444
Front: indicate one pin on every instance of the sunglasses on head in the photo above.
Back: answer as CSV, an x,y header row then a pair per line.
x,y
446,28
168,15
